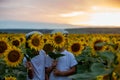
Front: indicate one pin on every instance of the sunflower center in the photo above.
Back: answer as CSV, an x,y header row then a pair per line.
x,y
16,43
21,39
58,39
48,48
116,47
3,46
97,48
82,39
75,47
13,56
35,42
45,40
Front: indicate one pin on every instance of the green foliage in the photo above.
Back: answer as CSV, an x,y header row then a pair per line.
x,y
54,55
31,53
90,66
18,72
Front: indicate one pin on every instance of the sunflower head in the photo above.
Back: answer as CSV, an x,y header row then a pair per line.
x,y
48,48
13,57
99,43
16,43
116,46
97,48
3,46
58,39
35,41
10,78
22,39
47,38
99,77
75,47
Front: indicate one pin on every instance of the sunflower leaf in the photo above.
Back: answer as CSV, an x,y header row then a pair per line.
x,y
54,55
100,44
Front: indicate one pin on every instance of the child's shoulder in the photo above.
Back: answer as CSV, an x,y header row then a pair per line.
x,y
68,53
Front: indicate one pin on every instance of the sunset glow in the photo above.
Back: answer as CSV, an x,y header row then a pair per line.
x,y
72,14
98,16
75,12
101,19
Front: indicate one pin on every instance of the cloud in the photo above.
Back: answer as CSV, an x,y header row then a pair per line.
x,y
48,10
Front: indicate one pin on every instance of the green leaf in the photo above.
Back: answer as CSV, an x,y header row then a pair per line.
x,y
54,55
100,44
97,67
83,76
109,56
30,53
100,69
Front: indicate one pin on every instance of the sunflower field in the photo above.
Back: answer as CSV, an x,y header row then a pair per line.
x,y
98,55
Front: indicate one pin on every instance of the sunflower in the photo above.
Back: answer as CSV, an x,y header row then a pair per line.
x,y
13,57
48,48
10,78
16,41
114,76
118,56
3,46
98,44
115,45
36,41
58,39
47,38
73,36
117,67
75,47
100,77
82,39
22,39
109,48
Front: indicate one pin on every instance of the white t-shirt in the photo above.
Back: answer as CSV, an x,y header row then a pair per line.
x,y
38,63
64,63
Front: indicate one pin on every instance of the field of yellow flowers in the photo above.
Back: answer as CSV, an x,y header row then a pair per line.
x,y
98,54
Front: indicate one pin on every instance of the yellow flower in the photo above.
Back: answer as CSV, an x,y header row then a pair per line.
x,y
4,46
100,77
10,78
97,40
47,38
58,39
114,76
36,41
13,57
22,39
16,41
48,48
116,43
117,69
75,47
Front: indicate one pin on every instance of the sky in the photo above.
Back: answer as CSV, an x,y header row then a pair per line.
x,y
74,12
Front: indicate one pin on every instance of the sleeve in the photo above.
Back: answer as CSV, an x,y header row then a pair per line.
x,y
73,61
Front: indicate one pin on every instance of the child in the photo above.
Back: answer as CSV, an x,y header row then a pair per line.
x,y
65,65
